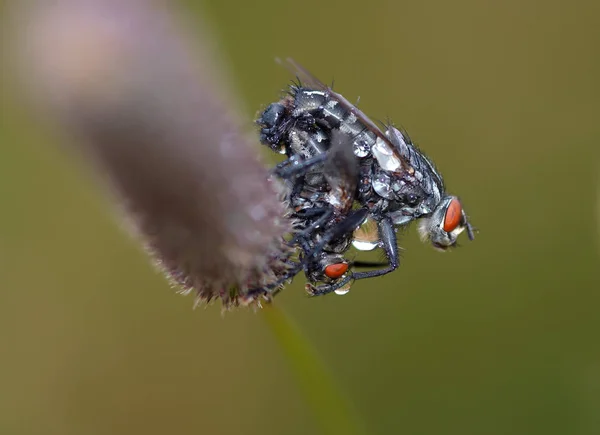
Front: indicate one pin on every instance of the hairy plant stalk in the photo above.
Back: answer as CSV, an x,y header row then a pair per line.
x,y
141,102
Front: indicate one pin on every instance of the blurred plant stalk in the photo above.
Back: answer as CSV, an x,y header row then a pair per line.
x,y
331,407
140,101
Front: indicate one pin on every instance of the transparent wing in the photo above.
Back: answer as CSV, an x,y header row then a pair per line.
x,y
305,77
342,171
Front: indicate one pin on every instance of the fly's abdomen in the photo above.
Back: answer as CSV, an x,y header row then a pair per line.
x,y
307,144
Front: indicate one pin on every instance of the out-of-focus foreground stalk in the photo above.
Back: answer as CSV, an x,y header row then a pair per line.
x,y
141,102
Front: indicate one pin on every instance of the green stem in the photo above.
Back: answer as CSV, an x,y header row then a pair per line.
x,y
329,405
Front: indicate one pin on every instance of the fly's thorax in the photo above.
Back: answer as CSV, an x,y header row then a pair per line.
x,y
422,170
318,107
405,211
308,100
402,195
412,192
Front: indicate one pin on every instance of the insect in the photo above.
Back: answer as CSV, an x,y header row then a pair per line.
x,y
342,170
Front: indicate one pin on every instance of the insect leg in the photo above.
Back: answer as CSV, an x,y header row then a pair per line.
x,y
296,268
325,214
328,288
346,226
309,252
274,288
369,263
293,167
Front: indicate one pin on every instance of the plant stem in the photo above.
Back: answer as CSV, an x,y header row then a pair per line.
x,y
332,410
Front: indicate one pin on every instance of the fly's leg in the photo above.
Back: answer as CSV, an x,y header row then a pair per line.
x,y
369,263
328,288
294,167
390,246
325,214
295,269
274,288
346,226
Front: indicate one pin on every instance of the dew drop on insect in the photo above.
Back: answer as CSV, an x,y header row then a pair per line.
x,y
363,245
385,156
361,148
343,290
382,185
366,237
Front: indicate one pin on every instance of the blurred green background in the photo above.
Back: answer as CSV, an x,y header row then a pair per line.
x,y
499,337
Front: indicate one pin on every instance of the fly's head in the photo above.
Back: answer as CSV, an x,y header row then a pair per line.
x,y
328,268
333,270
445,224
420,192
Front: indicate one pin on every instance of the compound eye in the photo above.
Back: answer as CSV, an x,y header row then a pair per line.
x,y
453,215
336,270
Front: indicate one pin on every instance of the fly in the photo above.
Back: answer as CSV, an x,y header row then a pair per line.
x,y
344,172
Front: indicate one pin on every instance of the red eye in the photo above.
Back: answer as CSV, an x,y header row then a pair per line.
x,y
336,270
453,215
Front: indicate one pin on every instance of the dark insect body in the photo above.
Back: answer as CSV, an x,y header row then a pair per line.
x,y
342,171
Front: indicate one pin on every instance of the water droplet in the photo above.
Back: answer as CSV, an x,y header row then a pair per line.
x,y
343,290
385,156
363,245
361,148
382,185
366,237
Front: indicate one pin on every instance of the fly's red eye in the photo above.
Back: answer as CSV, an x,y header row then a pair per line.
x,y
453,215
336,270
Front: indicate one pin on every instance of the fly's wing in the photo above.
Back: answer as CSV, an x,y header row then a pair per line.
x,y
387,150
341,170
305,77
